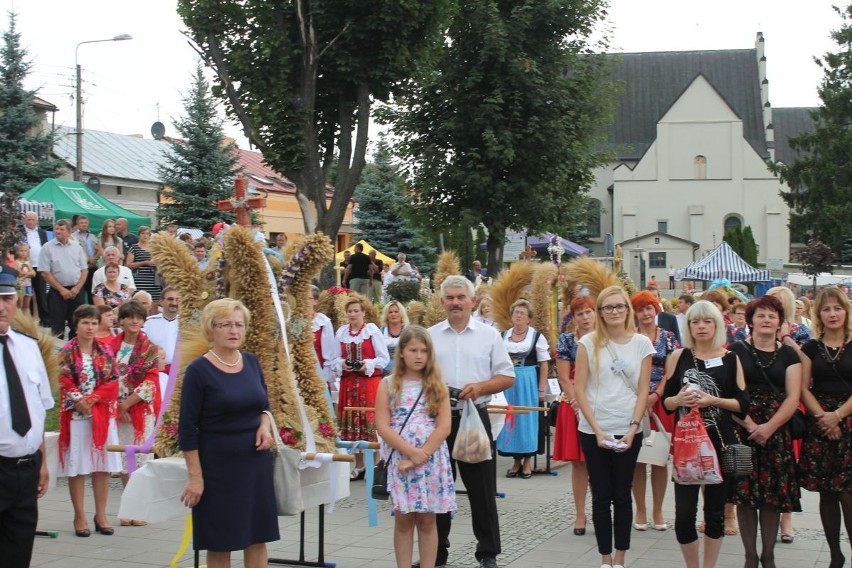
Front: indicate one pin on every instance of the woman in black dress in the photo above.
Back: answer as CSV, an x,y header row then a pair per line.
x,y
705,375
226,439
144,269
773,375
825,463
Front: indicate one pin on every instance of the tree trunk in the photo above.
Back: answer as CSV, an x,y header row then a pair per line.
x,y
496,240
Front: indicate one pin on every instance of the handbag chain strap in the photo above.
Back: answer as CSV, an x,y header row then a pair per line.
x,y
401,428
715,422
833,364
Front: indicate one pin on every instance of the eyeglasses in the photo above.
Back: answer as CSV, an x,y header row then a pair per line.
x,y
617,308
230,325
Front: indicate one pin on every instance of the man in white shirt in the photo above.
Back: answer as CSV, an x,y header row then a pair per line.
x,y
23,406
162,328
400,269
475,364
36,237
125,275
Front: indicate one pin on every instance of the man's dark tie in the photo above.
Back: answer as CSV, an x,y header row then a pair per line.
x,y
17,401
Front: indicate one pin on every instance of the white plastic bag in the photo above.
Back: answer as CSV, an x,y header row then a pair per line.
x,y
472,444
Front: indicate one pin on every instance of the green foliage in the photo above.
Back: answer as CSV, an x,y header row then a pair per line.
x,y
404,290
502,129
25,139
816,258
734,237
749,253
301,77
382,198
820,178
199,170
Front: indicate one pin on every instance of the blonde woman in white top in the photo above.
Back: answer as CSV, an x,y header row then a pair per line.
x,y
611,382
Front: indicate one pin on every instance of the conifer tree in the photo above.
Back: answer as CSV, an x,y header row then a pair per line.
x,y
25,141
199,169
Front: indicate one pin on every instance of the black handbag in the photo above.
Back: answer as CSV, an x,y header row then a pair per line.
x,y
553,413
379,490
798,423
736,460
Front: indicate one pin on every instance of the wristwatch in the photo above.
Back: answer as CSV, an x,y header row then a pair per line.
x,y
636,422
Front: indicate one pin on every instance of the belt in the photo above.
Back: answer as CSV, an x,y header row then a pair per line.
x,y
18,461
458,411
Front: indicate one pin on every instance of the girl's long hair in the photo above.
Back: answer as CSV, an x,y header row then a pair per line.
x,y
434,387
601,333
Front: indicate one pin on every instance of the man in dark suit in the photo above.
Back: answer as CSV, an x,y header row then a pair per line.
x,y
666,320
36,237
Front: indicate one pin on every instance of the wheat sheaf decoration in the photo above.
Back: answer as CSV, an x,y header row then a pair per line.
x,y
508,288
305,263
541,297
447,265
248,282
180,270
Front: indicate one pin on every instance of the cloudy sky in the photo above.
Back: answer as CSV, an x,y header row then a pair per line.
x,y
129,85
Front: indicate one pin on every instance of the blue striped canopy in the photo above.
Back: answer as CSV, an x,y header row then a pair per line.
x,y
723,262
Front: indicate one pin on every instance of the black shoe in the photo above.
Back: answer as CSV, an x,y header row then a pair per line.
x,y
106,531
580,532
82,532
488,563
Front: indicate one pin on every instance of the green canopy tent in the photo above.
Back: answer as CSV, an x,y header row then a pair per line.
x,y
71,198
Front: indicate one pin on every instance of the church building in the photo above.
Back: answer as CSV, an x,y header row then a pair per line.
x,y
691,138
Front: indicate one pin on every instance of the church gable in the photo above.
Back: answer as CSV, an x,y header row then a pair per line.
x,y
700,102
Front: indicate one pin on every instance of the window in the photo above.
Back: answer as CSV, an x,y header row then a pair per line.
x,y
656,260
700,167
594,216
663,226
732,222
118,190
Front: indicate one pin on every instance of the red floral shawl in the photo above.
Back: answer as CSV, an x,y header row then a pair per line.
x,y
104,395
141,367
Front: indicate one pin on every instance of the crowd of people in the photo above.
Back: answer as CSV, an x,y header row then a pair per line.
x,y
747,366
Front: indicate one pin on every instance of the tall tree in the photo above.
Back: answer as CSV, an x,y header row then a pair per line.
x,y
816,257
820,178
301,75
382,202
503,129
199,169
25,139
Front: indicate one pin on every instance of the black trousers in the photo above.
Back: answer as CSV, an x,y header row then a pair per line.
x,y
18,512
61,311
40,294
611,480
686,509
480,481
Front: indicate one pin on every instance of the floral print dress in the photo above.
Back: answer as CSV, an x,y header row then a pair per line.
x,y
428,488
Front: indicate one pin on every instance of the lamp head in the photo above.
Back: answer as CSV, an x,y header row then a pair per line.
x,y
122,37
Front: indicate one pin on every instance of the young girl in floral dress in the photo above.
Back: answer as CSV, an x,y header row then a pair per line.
x,y
420,480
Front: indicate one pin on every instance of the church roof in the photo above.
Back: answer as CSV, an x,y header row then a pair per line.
x,y
651,82
790,122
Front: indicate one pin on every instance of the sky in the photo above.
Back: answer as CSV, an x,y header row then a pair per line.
x,y
128,85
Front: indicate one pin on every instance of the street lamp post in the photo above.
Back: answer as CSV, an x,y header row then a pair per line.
x,y
78,164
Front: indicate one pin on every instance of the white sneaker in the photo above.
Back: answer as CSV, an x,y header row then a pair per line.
x,y
606,565
617,566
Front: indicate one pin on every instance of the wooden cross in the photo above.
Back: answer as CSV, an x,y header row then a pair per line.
x,y
528,253
240,204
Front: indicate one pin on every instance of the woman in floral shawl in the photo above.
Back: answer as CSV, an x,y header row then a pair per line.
x,y
88,390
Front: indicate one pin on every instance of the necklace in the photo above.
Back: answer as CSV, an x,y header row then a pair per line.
x,y
758,360
522,334
356,332
838,352
234,364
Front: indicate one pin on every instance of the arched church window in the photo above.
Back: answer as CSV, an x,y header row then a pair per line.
x,y
700,167
733,222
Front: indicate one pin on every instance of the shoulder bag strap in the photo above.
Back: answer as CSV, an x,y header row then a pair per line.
x,y
401,428
621,372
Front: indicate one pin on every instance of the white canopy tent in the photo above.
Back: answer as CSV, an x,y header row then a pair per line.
x,y
723,262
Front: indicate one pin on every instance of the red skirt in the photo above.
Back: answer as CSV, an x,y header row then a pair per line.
x,y
566,442
358,391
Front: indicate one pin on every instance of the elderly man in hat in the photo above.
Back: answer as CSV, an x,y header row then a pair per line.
x,y
23,405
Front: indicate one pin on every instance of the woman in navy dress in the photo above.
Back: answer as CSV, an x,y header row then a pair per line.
x,y
226,439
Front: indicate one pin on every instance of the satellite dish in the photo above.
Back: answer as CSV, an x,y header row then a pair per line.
x,y
94,183
158,130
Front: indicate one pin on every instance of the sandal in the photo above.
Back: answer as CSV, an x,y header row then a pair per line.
x,y
512,473
357,474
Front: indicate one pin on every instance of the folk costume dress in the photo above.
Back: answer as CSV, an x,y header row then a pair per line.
x,y
136,367
566,440
523,436
219,416
773,481
83,437
359,388
826,465
427,488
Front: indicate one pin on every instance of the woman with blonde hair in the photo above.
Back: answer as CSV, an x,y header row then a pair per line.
x,y
825,464
611,382
360,361
394,319
705,375
225,437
